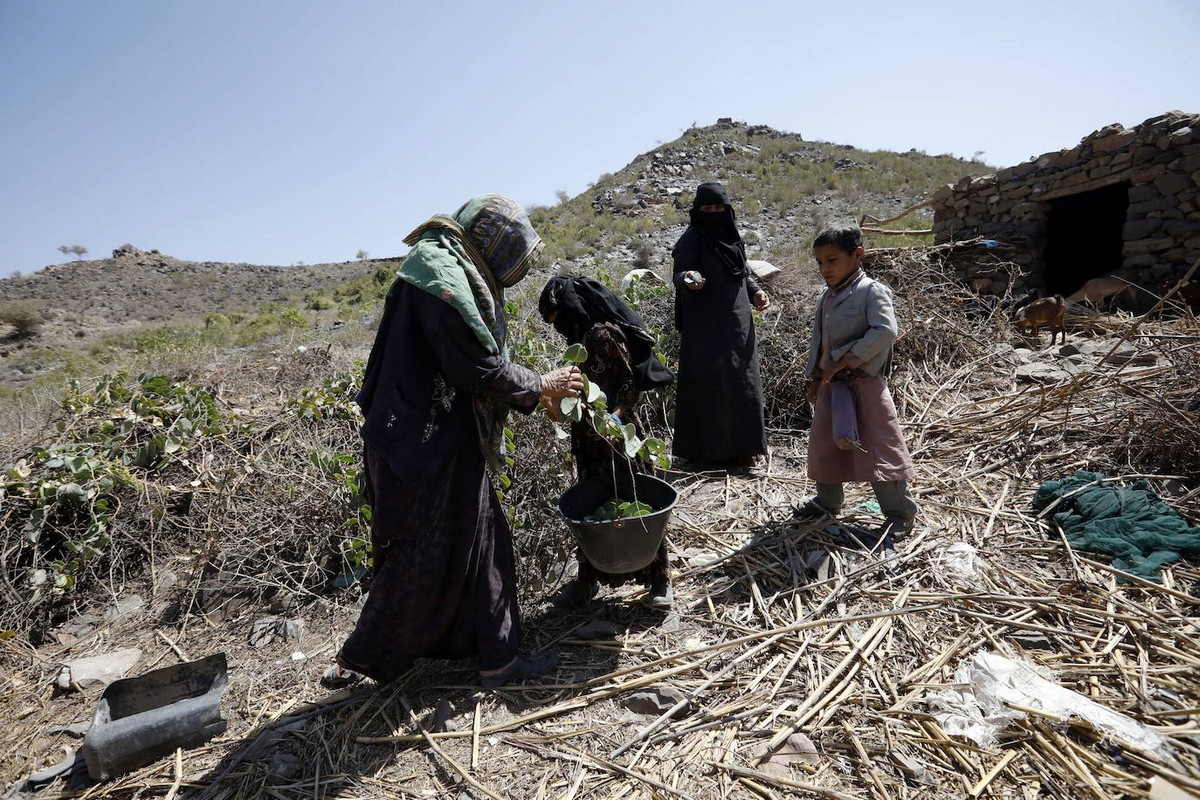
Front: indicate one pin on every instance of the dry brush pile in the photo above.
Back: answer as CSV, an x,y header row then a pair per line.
x,y
786,638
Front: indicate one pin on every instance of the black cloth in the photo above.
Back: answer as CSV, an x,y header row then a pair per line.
x,y
445,581
718,399
578,303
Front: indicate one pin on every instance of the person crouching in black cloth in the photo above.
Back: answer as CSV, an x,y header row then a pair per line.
x,y
622,362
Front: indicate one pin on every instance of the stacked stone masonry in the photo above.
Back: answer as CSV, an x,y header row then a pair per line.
x,y
1158,162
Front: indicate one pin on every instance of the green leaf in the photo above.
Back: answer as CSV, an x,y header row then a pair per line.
x,y
655,446
594,393
571,408
73,492
576,354
600,424
634,508
19,471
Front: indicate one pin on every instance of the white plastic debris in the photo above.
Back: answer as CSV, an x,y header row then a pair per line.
x,y
979,707
638,275
959,561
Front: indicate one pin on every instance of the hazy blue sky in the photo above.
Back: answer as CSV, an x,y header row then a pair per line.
x,y
277,132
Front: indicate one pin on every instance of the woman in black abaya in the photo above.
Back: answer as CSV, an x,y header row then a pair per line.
x,y
718,401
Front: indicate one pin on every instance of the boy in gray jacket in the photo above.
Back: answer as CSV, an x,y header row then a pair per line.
x,y
851,343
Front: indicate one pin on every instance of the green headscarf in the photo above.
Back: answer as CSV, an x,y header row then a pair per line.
x,y
467,261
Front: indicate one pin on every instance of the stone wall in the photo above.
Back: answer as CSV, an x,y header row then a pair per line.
x,y
1149,175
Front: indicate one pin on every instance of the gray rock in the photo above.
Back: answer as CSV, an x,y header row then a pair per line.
x,y
1068,350
797,749
267,629
1041,373
441,715
292,630
284,768
671,622
263,631
98,670
125,607
659,700
79,627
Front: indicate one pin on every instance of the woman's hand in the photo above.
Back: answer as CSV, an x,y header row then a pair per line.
x,y
562,382
761,300
693,280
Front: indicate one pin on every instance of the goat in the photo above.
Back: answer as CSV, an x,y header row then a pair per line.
x,y
1097,290
1048,310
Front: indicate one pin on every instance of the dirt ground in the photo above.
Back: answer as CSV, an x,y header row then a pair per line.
x,y
786,637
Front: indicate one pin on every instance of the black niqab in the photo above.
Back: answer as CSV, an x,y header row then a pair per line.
x,y
719,227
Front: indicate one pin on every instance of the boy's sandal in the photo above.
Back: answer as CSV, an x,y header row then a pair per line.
x,y
812,510
337,676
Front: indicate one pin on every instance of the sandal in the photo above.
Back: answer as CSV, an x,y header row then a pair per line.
x,y
660,596
337,677
811,510
519,669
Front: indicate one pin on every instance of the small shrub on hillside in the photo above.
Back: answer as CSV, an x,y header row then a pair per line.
x,y
25,318
318,303
161,341
643,254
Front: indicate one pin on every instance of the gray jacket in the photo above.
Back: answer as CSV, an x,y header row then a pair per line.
x,y
862,322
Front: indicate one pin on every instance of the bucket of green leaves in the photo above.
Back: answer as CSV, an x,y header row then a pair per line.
x,y
619,521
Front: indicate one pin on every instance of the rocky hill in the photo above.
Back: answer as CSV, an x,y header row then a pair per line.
x,y
784,188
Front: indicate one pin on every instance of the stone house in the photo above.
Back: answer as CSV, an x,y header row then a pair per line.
x,y
1124,201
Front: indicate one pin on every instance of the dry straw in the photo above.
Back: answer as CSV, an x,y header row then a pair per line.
x,y
780,628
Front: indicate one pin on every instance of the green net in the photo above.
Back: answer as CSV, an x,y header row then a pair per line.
x,y
1129,523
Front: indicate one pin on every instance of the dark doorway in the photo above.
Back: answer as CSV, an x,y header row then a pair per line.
x,y
1084,236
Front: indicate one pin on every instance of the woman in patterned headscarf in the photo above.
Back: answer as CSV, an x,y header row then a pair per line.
x,y
437,389
718,400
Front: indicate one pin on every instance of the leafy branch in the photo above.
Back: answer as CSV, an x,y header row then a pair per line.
x,y
592,405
